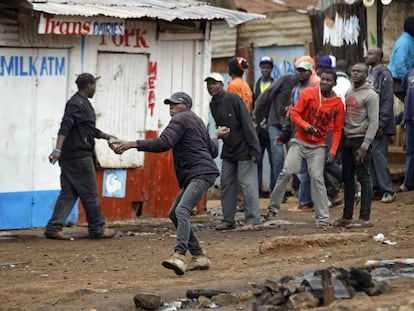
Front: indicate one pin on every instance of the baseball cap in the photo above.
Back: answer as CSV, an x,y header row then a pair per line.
x,y
327,61
304,65
266,60
85,78
178,98
215,76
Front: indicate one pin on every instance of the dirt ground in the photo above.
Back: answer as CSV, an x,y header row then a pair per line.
x,y
41,274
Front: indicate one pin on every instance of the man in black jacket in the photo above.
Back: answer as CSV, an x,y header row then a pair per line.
x,y
273,104
74,150
241,151
263,83
196,172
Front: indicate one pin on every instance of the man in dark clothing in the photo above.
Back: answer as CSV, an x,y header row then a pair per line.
x,y
382,81
74,150
266,67
196,172
274,103
241,151
360,127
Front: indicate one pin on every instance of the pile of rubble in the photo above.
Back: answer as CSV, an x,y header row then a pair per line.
x,y
312,289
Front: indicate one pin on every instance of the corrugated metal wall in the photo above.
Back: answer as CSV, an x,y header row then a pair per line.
x,y
282,29
340,30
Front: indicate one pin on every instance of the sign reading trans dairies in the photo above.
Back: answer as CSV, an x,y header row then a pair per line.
x,y
74,25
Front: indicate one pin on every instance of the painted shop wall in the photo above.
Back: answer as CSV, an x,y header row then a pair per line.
x,y
138,72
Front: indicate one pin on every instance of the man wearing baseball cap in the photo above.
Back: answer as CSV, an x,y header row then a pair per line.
x,y
74,151
261,85
240,154
195,169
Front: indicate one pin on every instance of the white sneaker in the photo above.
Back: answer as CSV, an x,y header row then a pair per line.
x,y
176,263
200,262
388,197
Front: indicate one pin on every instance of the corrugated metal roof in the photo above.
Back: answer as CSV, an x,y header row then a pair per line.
x,y
168,10
268,6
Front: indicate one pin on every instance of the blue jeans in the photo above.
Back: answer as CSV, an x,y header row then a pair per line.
x,y
304,194
265,145
362,170
78,180
278,153
380,173
180,213
409,142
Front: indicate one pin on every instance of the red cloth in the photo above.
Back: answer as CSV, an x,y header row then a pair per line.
x,y
314,109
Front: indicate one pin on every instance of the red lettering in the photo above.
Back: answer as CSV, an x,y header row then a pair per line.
x,y
151,108
140,40
64,27
103,41
152,68
151,82
47,21
151,96
128,33
152,77
86,28
117,40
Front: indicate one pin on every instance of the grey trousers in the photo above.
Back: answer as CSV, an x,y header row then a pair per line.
x,y
315,160
243,173
380,173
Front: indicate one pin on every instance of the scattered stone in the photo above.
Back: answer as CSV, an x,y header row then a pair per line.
x,y
224,299
195,293
302,301
147,301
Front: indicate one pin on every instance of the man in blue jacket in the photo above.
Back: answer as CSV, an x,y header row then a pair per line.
x,y
196,172
401,59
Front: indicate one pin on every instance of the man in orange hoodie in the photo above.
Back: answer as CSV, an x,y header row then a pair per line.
x,y
237,66
312,115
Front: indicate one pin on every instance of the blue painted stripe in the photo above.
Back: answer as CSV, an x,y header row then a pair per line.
x,y
30,209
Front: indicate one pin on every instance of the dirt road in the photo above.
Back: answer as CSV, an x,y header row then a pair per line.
x,y
41,274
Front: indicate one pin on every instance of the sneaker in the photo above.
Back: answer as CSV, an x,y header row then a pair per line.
x,y
200,262
339,199
323,225
226,226
341,222
360,223
388,197
403,188
304,208
251,227
270,215
176,263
